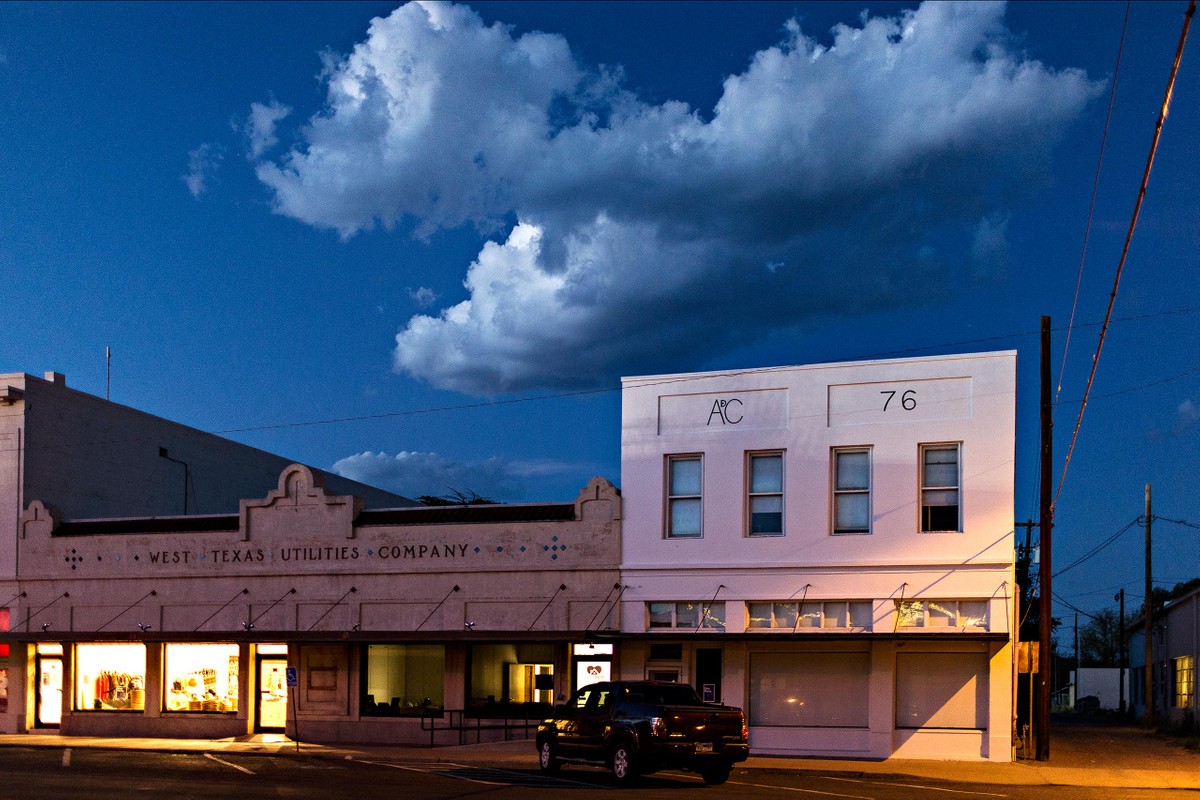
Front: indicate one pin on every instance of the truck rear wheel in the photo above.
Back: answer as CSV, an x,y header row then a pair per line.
x,y
623,763
716,775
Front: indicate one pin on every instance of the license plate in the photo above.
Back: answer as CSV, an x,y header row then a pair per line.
x,y
704,747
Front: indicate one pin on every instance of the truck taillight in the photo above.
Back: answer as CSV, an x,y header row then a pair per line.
x,y
658,726
745,729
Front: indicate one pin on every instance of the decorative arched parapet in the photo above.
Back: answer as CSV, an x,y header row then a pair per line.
x,y
599,500
39,519
300,503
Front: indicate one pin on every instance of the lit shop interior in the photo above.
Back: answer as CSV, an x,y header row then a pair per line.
x,y
111,677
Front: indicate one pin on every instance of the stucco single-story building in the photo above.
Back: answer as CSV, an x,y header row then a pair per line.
x,y
308,613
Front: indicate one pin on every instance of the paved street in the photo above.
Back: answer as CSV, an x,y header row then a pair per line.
x,y
1091,759
53,773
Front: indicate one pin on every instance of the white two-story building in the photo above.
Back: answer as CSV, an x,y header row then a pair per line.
x,y
831,547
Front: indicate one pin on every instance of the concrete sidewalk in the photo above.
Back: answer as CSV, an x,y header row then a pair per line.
x,y
1083,753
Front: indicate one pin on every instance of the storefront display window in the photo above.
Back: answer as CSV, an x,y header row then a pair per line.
x,y
404,679
201,677
818,690
110,677
941,690
505,677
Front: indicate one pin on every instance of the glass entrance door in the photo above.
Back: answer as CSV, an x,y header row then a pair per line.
x,y
272,693
49,691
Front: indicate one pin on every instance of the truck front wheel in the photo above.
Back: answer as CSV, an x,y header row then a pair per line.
x,y
623,763
547,758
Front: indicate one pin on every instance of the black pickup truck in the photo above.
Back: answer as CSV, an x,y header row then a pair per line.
x,y
637,727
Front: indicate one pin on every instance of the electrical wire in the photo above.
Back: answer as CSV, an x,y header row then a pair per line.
x,y
1183,522
1072,606
1087,231
1137,209
1096,550
672,380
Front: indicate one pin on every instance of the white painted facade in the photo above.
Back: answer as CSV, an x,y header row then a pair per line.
x,y
810,628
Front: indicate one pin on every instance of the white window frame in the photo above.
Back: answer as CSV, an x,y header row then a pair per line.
x,y
922,488
931,614
789,615
836,492
706,612
751,494
670,499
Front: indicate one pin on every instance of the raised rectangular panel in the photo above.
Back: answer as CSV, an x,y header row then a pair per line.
x,y
901,401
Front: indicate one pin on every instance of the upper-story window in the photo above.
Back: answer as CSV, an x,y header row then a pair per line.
x,y
764,503
965,614
694,614
684,498
941,480
852,490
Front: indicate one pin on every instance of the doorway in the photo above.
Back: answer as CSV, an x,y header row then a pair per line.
x,y
272,693
49,690
708,674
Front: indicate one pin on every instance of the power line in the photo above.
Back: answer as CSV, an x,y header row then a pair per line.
x,y
1096,550
1073,607
1087,231
1183,522
1137,209
1152,384
675,379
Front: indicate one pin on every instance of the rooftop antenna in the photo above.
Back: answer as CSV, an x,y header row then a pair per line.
x,y
108,377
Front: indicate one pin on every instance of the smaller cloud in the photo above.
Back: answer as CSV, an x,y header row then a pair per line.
x,y
3,56
990,249
422,297
413,474
203,162
260,127
1186,416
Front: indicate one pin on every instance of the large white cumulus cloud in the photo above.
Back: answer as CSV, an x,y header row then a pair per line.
x,y
876,171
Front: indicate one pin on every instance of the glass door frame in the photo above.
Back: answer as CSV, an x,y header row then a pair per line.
x,y
260,660
39,660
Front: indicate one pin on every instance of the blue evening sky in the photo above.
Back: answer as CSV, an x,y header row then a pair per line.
x,y
444,232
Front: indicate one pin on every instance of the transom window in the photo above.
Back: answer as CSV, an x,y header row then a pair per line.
x,y
940,481
852,490
815,614
765,501
687,614
942,614
684,507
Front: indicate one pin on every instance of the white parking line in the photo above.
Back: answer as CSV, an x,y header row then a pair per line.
x,y
238,767
441,767
67,757
425,771
916,786
794,789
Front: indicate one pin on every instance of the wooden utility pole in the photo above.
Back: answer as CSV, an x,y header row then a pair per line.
x,y
1046,511
1121,651
1148,618
1076,654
